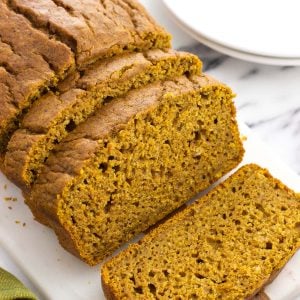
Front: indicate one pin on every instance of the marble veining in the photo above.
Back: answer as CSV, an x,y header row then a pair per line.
x,y
268,99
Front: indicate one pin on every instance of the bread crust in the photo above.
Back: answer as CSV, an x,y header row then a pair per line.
x,y
119,25
107,290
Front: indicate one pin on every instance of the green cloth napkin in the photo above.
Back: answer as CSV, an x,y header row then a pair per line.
x,y
11,288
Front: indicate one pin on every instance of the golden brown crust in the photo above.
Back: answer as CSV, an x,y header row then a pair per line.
x,y
259,293
118,24
107,289
261,296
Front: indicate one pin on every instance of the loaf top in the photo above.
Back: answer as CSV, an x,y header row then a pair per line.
x,y
227,245
95,29
29,61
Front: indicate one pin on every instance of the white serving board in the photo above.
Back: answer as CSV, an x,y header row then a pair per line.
x,y
60,276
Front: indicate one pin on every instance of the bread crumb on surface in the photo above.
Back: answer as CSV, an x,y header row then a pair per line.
x,y
10,199
9,207
24,224
5,186
17,222
244,138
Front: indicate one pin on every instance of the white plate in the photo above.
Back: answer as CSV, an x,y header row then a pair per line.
x,y
261,31
268,60
60,276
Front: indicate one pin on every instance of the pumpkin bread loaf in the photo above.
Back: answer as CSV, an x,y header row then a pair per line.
x,y
227,245
135,161
53,116
41,42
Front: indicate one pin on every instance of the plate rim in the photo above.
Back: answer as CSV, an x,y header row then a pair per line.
x,y
226,48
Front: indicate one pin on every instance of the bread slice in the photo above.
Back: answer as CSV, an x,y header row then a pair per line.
x,y
95,29
41,42
53,116
138,159
26,68
227,245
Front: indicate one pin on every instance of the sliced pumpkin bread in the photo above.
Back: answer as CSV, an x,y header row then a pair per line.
x,y
227,245
53,116
136,160
41,42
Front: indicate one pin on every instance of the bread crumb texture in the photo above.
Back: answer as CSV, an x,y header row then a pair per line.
x,y
226,245
139,159
31,145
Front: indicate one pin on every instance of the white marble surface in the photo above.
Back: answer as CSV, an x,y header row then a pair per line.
x,y
268,100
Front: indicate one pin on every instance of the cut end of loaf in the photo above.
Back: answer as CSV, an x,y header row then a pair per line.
x,y
145,168
227,245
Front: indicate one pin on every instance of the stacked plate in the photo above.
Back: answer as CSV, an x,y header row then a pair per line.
x,y
265,31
